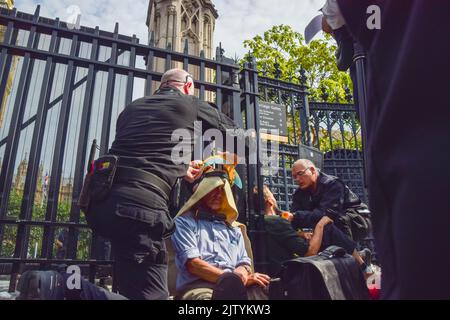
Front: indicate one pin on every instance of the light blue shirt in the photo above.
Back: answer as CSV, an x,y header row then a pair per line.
x,y
212,241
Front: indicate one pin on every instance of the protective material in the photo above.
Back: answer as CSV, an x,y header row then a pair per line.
x,y
327,276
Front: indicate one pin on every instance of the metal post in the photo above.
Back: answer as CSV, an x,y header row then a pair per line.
x,y
359,59
304,110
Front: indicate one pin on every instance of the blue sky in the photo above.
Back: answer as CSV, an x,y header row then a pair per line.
x,y
238,19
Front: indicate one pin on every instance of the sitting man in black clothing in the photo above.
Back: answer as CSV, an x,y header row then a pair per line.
x,y
283,242
322,195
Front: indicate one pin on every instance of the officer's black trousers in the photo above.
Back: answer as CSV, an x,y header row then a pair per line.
x,y
139,252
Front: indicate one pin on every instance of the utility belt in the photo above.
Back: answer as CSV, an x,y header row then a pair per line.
x,y
105,171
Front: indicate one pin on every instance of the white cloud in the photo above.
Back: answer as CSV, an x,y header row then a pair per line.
x,y
238,19
241,20
102,13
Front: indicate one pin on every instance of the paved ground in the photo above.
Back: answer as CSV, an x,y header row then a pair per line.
x,y
4,295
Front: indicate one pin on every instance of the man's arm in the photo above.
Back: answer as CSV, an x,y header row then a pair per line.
x,y
186,248
214,119
316,241
281,231
331,205
204,270
355,15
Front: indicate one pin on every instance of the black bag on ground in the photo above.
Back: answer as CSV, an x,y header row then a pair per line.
x,y
330,275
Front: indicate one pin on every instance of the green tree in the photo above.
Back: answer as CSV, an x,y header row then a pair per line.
x,y
36,233
281,53
283,46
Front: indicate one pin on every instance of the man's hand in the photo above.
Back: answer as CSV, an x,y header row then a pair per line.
x,y
287,215
242,273
251,279
324,221
193,172
325,26
305,235
259,279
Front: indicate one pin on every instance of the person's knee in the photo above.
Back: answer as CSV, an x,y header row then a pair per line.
x,y
229,287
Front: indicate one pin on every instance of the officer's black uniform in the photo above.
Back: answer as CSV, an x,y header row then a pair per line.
x,y
408,130
135,215
331,199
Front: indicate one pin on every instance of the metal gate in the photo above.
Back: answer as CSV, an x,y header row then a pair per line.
x,y
61,88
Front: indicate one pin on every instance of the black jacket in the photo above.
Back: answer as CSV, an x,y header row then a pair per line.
x,y
144,141
282,243
332,199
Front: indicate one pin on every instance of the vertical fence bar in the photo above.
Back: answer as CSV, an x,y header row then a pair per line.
x,y
82,148
5,59
130,78
304,111
185,58
12,144
37,140
168,64
294,124
219,98
149,82
202,75
6,176
5,66
285,181
105,135
58,156
360,62
106,124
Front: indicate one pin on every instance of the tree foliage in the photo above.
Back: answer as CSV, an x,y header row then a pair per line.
x,y
36,233
284,49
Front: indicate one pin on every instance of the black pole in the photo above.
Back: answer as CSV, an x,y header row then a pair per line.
x,y
359,59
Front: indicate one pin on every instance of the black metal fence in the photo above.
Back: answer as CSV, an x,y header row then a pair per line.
x,y
61,88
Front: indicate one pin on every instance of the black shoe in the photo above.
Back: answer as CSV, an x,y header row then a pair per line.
x,y
41,285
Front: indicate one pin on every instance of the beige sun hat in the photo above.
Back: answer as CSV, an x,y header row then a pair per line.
x,y
215,178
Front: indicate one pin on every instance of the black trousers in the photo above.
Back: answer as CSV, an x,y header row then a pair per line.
x,y
136,233
333,236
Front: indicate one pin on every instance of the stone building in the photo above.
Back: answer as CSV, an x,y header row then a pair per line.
x,y
173,22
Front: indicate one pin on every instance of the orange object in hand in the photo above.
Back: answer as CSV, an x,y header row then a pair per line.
x,y
286,215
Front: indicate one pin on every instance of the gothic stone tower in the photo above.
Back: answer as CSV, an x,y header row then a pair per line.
x,y
172,22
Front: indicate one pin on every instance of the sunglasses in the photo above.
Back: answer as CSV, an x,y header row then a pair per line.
x,y
187,80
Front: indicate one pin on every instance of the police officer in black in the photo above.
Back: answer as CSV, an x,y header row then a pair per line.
x,y
322,195
135,215
404,63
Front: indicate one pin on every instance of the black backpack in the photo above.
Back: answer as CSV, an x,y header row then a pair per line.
x,y
330,275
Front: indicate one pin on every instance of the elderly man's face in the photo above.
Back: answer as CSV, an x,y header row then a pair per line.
x,y
213,200
304,176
